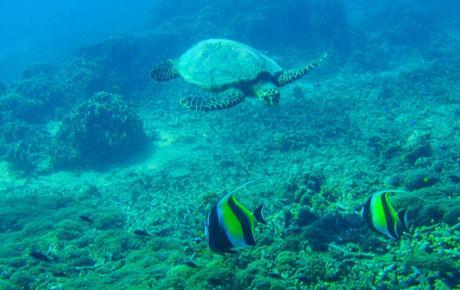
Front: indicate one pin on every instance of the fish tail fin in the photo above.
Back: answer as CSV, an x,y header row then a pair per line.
x,y
403,217
258,214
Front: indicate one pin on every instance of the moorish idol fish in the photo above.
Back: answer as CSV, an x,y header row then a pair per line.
x,y
381,216
230,225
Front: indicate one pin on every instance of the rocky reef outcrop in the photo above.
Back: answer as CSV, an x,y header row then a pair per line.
x,y
99,131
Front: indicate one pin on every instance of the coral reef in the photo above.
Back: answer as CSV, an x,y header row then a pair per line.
x,y
97,132
116,65
25,146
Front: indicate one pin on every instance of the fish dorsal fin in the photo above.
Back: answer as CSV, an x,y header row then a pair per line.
x,y
397,191
391,191
382,192
244,185
230,193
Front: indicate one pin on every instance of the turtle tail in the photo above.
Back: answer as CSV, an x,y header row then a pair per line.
x,y
227,99
165,71
296,73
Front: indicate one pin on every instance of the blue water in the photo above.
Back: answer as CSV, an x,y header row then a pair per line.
x,y
107,176
49,31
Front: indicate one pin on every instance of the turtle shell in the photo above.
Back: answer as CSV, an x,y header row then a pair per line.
x,y
216,64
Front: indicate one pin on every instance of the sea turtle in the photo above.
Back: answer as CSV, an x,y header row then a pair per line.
x,y
232,71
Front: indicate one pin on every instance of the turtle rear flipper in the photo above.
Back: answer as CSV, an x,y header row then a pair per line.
x,y
296,73
224,100
165,71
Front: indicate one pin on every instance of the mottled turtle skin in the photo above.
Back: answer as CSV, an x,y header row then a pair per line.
x,y
232,71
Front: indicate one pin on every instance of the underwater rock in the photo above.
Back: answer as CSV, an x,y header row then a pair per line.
x,y
12,132
99,131
37,227
79,257
432,261
323,231
265,238
313,181
211,276
249,271
421,150
87,192
452,215
314,269
116,64
286,262
19,156
428,214
405,23
260,282
417,180
5,284
288,142
304,187
384,146
45,90
68,230
84,77
15,107
39,70
28,156
393,181
438,166
114,245
386,93
22,279
417,145
176,276
109,219
306,216
24,146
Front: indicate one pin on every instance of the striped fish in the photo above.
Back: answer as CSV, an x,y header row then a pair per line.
x,y
381,216
230,225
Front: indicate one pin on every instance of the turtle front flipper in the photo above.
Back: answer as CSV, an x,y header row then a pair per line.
x,y
296,73
165,71
224,100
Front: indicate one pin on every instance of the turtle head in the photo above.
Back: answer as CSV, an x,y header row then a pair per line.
x,y
165,71
267,92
